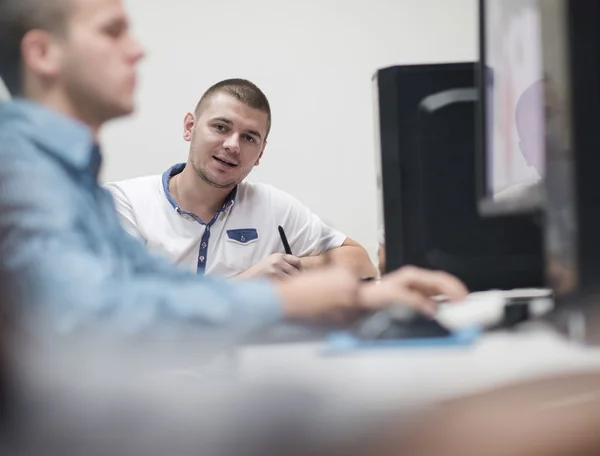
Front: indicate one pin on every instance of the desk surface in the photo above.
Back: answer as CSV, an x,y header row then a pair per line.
x,y
389,377
374,377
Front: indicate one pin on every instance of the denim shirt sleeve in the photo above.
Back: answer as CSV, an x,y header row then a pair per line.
x,y
47,263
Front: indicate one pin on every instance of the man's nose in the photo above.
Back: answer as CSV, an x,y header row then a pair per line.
x,y
136,51
232,143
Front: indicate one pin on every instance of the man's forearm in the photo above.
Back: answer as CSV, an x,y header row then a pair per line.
x,y
354,257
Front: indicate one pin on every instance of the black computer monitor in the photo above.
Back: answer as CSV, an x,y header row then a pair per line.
x,y
426,141
511,122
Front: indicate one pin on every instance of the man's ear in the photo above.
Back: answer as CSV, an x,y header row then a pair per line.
x,y
42,54
189,122
261,154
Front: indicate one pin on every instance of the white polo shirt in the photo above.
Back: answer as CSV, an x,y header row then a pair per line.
x,y
240,234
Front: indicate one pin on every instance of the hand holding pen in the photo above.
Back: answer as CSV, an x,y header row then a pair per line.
x,y
277,265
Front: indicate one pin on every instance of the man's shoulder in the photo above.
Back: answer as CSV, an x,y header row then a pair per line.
x,y
19,142
14,129
136,186
254,192
256,199
12,117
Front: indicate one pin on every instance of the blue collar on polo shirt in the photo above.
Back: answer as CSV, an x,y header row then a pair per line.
x,y
178,168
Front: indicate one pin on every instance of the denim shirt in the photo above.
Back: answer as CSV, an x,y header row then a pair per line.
x,y
63,251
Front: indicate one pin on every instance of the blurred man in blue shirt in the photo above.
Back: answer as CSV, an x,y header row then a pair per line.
x,y
71,64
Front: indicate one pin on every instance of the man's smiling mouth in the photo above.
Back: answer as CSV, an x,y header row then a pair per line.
x,y
225,162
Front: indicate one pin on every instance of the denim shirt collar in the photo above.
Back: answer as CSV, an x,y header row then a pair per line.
x,y
68,139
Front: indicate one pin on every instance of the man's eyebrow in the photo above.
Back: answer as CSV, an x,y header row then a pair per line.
x,y
222,119
254,133
115,20
227,121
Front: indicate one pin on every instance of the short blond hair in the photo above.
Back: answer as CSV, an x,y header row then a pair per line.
x,y
244,91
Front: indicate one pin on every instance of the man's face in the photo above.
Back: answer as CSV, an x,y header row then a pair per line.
x,y
99,57
227,139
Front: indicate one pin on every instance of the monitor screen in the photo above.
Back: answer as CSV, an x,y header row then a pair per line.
x,y
512,86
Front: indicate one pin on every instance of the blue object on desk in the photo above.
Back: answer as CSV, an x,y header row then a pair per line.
x,y
344,341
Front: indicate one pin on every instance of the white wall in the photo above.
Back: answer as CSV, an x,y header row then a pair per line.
x,y
314,59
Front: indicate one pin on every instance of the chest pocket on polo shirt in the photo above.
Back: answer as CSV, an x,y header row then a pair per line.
x,y
243,236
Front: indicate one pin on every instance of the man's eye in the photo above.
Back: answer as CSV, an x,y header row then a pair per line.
x,y
220,127
249,138
114,30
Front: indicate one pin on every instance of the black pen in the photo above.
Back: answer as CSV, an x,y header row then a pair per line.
x,y
284,241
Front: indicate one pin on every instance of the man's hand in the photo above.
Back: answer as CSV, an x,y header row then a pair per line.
x,y
275,266
414,287
324,295
334,293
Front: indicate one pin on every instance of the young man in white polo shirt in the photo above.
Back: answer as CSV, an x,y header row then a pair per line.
x,y
204,216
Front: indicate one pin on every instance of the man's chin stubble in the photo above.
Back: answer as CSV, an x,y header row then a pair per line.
x,y
212,183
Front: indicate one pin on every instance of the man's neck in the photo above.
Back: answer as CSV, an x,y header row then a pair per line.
x,y
56,102
194,195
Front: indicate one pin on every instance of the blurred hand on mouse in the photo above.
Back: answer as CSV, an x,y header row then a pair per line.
x,y
415,287
333,293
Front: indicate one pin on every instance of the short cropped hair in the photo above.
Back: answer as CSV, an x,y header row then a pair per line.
x,y
244,91
17,18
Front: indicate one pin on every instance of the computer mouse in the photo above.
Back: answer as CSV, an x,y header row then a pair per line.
x,y
385,324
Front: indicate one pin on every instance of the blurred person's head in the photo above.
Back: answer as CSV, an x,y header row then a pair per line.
x,y
228,132
75,56
537,119
529,117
